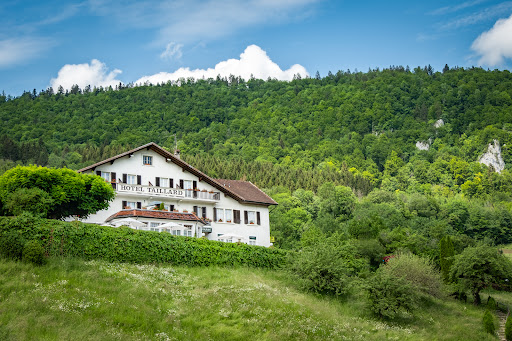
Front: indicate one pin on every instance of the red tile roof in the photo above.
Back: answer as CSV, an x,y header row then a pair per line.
x,y
247,191
155,214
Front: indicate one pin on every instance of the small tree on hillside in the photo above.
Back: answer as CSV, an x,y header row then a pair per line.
x,y
476,268
446,253
67,192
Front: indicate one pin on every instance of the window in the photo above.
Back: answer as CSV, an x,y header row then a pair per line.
x,y
164,182
131,204
153,224
223,215
166,230
106,176
188,230
176,232
219,216
251,216
187,186
229,215
131,179
200,211
147,160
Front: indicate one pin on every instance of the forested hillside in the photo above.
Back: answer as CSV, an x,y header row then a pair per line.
x,y
353,129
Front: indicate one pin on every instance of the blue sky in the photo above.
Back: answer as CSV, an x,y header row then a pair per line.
x,y
102,42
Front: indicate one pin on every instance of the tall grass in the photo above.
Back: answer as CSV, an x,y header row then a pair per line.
x,y
70,299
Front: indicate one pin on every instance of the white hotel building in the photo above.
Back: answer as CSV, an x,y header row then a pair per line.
x,y
156,187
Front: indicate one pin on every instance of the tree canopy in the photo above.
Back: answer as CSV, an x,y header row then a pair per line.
x,y
55,193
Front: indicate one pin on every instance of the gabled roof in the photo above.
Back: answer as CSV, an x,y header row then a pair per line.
x,y
253,195
247,191
155,214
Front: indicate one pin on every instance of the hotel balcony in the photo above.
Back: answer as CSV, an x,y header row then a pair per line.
x,y
195,195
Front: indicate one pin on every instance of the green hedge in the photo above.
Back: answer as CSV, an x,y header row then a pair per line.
x,y
89,241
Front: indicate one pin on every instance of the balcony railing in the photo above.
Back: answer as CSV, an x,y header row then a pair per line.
x,y
166,192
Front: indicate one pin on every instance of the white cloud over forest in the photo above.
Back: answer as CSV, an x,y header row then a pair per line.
x,y
94,74
253,62
495,45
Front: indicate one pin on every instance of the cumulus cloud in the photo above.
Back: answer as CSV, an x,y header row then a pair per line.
x,y
94,74
253,62
15,51
496,44
172,50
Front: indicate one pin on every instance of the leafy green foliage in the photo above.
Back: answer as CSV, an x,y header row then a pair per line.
x,y
89,241
508,328
447,252
418,271
478,267
32,200
68,193
391,296
33,252
328,267
488,322
491,303
11,244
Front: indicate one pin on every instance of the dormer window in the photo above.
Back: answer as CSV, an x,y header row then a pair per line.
x,y
147,160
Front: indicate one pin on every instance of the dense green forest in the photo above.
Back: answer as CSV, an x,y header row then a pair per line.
x,y
346,129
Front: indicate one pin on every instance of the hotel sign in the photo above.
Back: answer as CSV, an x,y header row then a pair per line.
x,y
149,190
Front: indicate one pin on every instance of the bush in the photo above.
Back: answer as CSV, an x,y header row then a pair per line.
x,y
90,241
33,200
33,252
11,244
328,267
508,329
418,271
491,303
390,296
488,322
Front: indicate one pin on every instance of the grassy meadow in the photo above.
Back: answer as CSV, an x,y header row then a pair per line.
x,y
70,299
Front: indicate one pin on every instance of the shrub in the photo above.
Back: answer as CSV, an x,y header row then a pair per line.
x,y
33,252
11,244
33,200
491,303
89,241
390,296
327,267
418,271
488,322
508,329
446,253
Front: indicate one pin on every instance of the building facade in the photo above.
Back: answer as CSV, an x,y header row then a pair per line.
x,y
163,193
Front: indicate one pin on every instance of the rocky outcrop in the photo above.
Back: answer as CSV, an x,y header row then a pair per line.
x,y
492,158
424,145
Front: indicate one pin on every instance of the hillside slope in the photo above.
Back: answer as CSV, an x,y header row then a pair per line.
x,y
72,299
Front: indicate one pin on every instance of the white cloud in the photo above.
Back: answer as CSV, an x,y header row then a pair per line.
x,y
456,8
190,21
479,16
94,74
172,50
496,44
16,51
253,61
